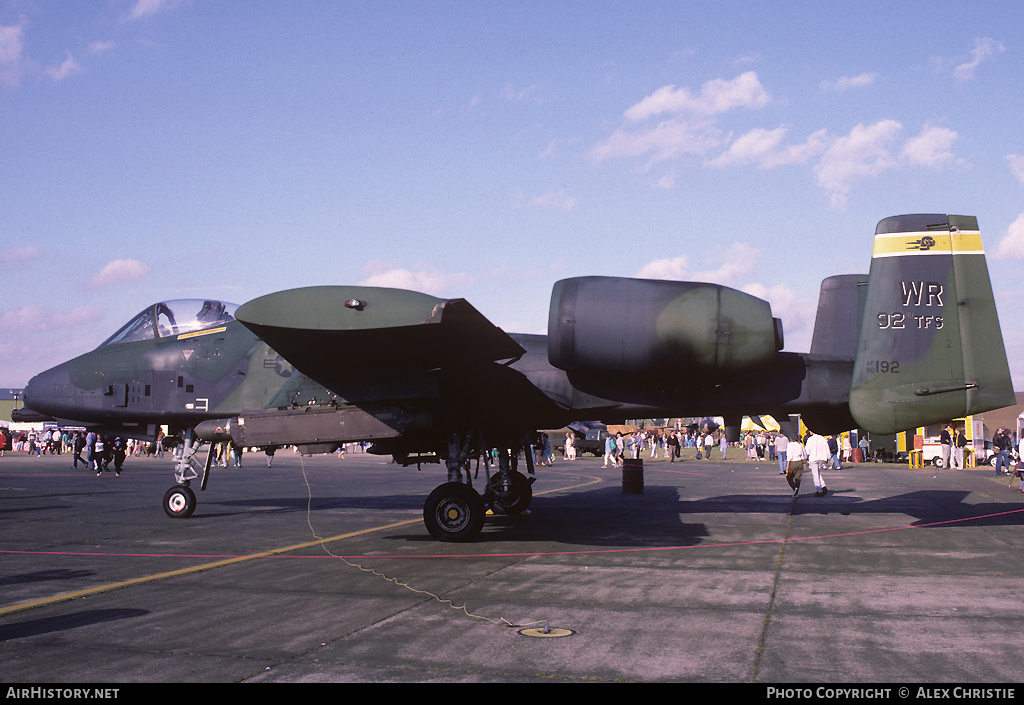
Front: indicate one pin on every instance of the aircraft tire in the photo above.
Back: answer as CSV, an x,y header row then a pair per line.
x,y
179,502
517,500
454,512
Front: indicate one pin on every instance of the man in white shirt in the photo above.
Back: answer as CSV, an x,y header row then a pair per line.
x,y
781,442
818,454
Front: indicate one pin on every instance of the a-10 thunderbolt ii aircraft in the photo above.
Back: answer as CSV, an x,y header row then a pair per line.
x,y
915,341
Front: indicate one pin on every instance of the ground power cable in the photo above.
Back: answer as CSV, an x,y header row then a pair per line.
x,y
395,581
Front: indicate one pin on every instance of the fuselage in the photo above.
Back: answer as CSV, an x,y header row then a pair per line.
x,y
226,371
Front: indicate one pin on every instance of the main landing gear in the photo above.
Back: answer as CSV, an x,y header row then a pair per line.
x,y
455,511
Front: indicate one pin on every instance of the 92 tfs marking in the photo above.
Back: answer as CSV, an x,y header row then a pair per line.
x,y
882,367
894,321
899,321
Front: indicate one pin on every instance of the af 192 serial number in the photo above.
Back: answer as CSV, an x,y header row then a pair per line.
x,y
882,367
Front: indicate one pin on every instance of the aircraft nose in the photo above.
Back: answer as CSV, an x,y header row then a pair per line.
x,y
31,391
43,391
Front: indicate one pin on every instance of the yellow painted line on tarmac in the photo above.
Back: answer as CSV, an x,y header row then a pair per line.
x,y
593,481
63,597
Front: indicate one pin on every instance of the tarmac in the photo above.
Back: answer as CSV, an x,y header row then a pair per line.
x,y
319,570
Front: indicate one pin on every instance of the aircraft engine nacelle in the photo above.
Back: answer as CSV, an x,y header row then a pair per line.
x,y
640,327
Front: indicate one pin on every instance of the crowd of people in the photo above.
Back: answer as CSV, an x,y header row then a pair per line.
x,y
669,444
816,452
794,456
106,453
96,452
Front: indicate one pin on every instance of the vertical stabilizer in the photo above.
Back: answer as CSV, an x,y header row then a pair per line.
x,y
930,347
840,310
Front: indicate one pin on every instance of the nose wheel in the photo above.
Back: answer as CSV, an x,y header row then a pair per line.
x,y
179,502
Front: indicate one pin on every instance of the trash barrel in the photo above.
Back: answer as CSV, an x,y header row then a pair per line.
x,y
632,476
858,455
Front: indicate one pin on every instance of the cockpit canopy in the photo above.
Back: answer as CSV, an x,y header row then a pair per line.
x,y
172,318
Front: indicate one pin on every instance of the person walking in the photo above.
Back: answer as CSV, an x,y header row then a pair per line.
x,y
609,451
795,464
818,456
781,445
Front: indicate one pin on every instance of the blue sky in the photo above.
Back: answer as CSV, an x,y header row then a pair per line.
x,y
162,149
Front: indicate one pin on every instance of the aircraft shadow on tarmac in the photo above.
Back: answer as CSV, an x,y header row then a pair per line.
x,y
41,576
607,516
64,622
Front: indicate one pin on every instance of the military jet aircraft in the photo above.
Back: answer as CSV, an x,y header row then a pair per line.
x,y
915,341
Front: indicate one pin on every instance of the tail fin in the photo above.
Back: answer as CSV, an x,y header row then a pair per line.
x,y
840,302
930,346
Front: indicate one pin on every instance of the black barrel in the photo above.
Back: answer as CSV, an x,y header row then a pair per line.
x,y
632,476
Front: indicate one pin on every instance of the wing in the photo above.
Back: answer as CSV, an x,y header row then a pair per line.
x,y
415,363
334,334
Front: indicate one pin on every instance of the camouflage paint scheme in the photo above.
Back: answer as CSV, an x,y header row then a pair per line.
x,y
416,374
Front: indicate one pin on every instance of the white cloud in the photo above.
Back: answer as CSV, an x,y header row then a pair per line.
x,y
931,148
1016,165
557,200
69,67
676,268
865,152
101,47
984,49
24,318
664,141
148,8
20,254
737,261
13,64
688,124
118,271
764,148
751,147
716,97
797,314
1012,244
848,82
424,278
868,151
515,94
35,318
